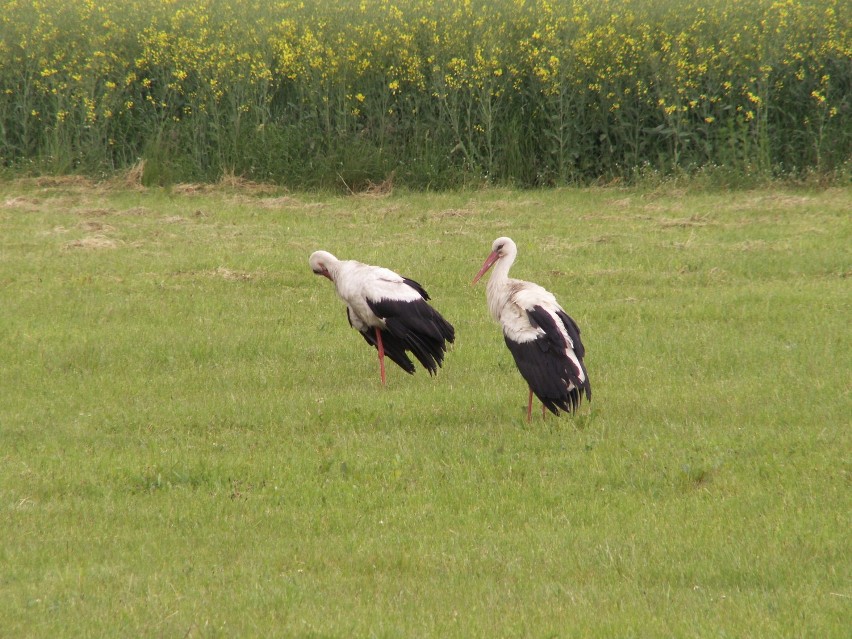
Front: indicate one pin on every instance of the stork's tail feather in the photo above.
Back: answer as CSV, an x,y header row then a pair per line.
x,y
426,339
418,328
393,347
569,402
557,380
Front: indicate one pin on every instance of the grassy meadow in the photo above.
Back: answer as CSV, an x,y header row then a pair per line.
x,y
194,443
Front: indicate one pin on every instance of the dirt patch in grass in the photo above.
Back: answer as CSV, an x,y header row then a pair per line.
x,y
683,222
93,226
606,217
23,203
784,201
238,183
93,242
232,275
453,213
228,183
64,181
279,202
95,212
137,211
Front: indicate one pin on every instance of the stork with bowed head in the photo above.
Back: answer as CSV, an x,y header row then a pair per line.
x,y
390,312
542,337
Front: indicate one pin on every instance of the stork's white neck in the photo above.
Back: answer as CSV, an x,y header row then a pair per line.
x,y
497,291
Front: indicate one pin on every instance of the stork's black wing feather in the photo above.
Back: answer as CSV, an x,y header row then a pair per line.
x,y
416,327
573,333
544,364
416,286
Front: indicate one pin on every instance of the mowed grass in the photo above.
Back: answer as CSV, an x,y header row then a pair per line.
x,y
194,443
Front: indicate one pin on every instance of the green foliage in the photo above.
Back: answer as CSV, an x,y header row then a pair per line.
x,y
436,93
193,442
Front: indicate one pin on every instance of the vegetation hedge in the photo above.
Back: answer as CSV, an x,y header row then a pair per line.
x,y
435,93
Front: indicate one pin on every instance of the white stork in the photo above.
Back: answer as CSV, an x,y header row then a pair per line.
x,y
390,312
543,339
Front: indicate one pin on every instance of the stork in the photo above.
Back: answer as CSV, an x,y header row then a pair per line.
x,y
390,312
542,337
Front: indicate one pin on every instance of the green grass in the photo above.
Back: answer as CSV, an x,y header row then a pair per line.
x,y
194,443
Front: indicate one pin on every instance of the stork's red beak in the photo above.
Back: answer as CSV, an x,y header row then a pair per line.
x,y
489,262
324,272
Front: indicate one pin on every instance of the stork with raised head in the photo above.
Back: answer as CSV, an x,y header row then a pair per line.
x,y
542,337
390,312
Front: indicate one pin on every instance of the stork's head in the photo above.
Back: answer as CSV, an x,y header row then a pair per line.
x,y
322,263
502,247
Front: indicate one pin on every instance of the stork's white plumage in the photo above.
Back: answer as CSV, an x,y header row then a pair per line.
x,y
542,337
390,312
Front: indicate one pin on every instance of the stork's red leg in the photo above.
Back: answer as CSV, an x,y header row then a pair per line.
x,y
529,408
381,348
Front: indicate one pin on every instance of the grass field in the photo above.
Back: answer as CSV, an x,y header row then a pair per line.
x,y
194,443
